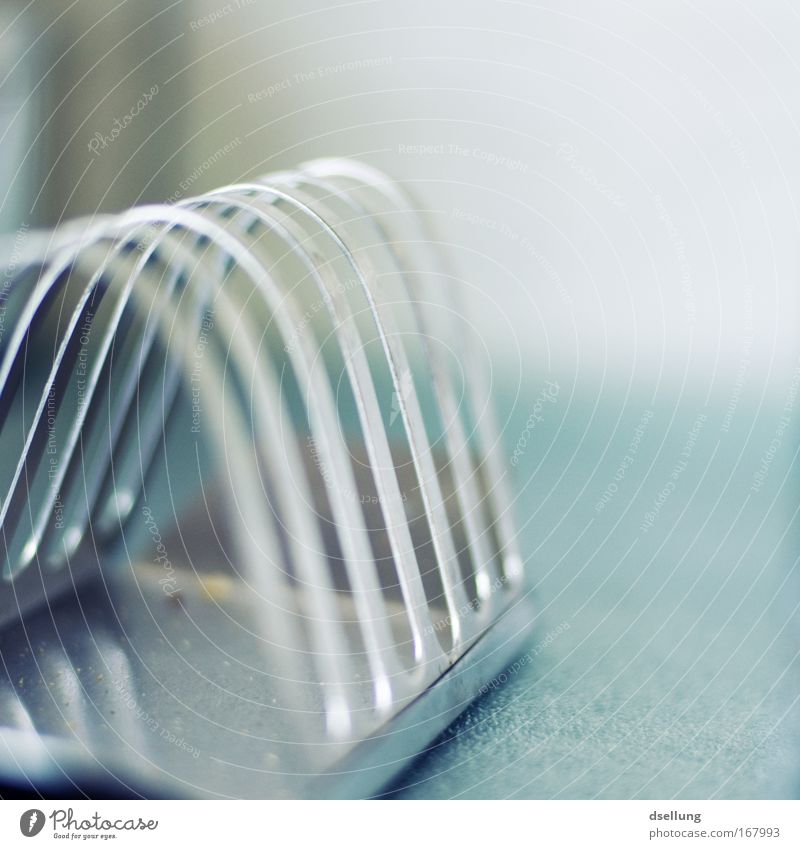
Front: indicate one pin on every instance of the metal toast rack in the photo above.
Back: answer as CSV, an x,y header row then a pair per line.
x,y
257,535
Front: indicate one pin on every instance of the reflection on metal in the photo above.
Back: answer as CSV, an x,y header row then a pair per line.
x,y
245,417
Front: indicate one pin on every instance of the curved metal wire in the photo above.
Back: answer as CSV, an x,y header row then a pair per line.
x,y
263,327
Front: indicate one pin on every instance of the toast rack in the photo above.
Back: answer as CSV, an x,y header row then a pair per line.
x,y
256,522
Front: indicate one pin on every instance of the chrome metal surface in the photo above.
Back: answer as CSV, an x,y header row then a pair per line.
x,y
247,418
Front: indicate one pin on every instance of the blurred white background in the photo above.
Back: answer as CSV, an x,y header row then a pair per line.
x,y
620,179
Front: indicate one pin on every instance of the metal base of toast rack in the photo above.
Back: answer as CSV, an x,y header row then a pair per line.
x,y
257,531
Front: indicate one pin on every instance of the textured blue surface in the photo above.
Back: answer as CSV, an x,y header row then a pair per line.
x,y
665,661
